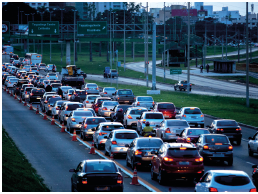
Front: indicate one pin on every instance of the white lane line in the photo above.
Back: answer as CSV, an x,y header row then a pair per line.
x,y
250,163
245,139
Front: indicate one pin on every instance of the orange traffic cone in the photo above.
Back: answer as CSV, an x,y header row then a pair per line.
x,y
45,116
53,121
4,88
25,103
111,156
15,97
63,128
11,93
30,107
20,100
74,136
7,91
92,150
135,178
37,111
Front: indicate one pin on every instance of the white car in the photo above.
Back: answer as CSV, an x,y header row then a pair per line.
x,y
26,68
87,103
52,76
106,108
225,181
108,92
92,88
69,94
144,101
12,82
131,114
193,115
253,144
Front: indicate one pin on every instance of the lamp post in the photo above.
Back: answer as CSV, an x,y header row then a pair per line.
x,y
74,38
50,39
28,34
33,39
124,38
61,35
18,22
164,43
226,37
21,23
41,13
110,50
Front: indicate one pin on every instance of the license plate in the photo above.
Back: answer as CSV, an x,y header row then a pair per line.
x,y
126,101
183,163
218,155
102,188
193,117
38,98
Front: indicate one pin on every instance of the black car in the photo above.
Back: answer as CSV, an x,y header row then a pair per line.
x,y
78,93
139,151
98,176
36,95
116,108
255,175
215,147
4,77
228,127
19,84
182,85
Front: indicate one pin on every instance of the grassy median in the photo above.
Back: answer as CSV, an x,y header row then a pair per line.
x,y
18,174
239,79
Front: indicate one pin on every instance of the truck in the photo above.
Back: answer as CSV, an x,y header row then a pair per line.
x,y
7,49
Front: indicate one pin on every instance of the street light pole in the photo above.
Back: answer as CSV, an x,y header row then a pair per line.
x,y
247,59
124,38
27,45
74,38
18,22
61,35
147,49
50,40
20,32
226,37
33,38
110,48
188,50
164,43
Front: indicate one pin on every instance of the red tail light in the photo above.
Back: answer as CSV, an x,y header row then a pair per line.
x,y
255,169
84,181
101,133
183,115
87,101
138,103
205,147
26,92
230,147
167,130
167,159
9,82
105,92
137,152
202,115
114,142
87,88
199,160
182,85
73,119
253,190
220,129
104,108
119,179
129,117
211,189
238,129
144,120
85,126
188,139
118,98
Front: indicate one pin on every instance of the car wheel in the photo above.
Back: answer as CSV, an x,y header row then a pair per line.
x,y
180,89
72,187
202,125
83,137
190,89
161,177
71,130
250,152
127,162
65,122
230,162
153,175
175,88
106,153
238,142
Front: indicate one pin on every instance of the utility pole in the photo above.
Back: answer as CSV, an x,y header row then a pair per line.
x,y
50,40
164,43
27,43
205,42
238,46
222,47
226,37
61,35
124,38
215,38
33,38
154,56
110,49
147,49
247,59
21,23
18,22
74,37
188,50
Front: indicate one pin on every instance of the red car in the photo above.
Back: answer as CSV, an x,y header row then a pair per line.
x,y
98,101
191,135
167,108
176,161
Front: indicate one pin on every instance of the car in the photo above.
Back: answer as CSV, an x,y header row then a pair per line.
x,y
117,140
225,181
130,116
193,115
17,63
167,108
182,85
108,92
12,82
69,94
144,101
253,144
75,119
23,87
56,108
228,127
55,86
50,104
35,70
26,68
4,77
87,103
98,101
8,78
19,85
45,106
102,131
154,118
78,94
139,152
64,90
116,109
255,175
170,129
42,66
124,96
36,95
176,161
91,88
87,176
30,77
88,109
106,108
40,82
256,45
45,83
66,109
215,147
19,72
26,94
88,124
112,73
191,135
51,76
50,68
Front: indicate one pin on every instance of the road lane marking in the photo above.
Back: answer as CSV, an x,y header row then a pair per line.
x,y
250,163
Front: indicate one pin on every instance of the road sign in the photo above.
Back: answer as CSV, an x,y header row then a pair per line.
x,y
44,27
92,28
5,27
175,71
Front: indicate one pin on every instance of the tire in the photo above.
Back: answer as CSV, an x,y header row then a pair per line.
x,y
175,89
132,164
72,187
202,125
250,152
161,177
98,146
65,122
230,162
180,89
153,175
106,153
71,130
127,163
238,142
190,89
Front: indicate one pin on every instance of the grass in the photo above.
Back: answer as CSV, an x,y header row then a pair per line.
x,y
222,107
240,79
218,49
18,174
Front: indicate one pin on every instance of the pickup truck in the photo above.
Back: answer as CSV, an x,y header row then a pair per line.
x,y
124,96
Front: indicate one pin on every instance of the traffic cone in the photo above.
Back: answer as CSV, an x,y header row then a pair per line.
x,y
74,136
5,88
63,128
25,103
11,93
37,111
45,116
15,97
30,107
20,100
7,91
53,121
92,150
111,156
135,178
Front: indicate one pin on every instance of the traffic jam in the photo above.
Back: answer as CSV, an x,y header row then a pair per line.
x,y
131,133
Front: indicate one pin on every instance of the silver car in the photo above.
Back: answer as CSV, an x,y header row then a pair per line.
x,y
253,144
108,92
144,101
8,78
88,124
12,82
65,90
46,108
26,93
69,94
102,132
88,109
131,114
66,109
50,104
55,86
193,115
56,108
106,108
75,119
92,88
87,103
117,140
170,129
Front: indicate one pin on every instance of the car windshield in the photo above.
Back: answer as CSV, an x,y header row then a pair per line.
x,y
154,116
108,89
197,132
95,121
183,152
92,97
113,70
148,142
226,123
100,166
83,113
137,112
102,100
73,106
52,74
53,100
126,135
216,139
46,81
38,91
166,106
110,103
183,82
56,85
192,111
177,123
111,127
92,85
145,98
14,80
42,65
66,88
125,92
232,180
81,92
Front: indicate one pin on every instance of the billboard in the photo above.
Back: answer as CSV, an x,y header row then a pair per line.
x,y
183,12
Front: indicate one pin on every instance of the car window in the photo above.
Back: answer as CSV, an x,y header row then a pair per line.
x,y
110,103
183,152
92,85
95,121
154,116
137,112
83,113
197,132
232,180
81,92
147,98
124,92
111,127
226,123
216,139
256,137
177,123
161,150
108,89
73,106
148,142
101,167
192,111
166,106
126,135
92,97
79,167
183,82
207,178
56,85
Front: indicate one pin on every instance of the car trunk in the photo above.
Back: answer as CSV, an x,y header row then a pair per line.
x,y
230,129
109,108
79,119
109,92
193,116
177,129
218,147
102,179
122,142
193,138
146,151
146,104
154,122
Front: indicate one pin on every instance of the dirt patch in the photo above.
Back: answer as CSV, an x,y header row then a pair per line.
x,y
252,67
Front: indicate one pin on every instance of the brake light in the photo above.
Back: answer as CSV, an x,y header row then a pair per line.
x,y
85,126
105,92
182,85
182,148
153,103
114,142
188,139
138,103
73,119
144,120
9,82
230,147
220,129
129,117
167,130
119,179
211,189
49,106
167,159
255,169
101,133
202,115
84,181
253,190
205,147
118,98
57,108
97,88
238,129
183,115
104,108
137,152
198,159
87,101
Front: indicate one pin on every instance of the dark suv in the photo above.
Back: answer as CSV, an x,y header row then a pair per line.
x,y
36,95
182,85
177,160
228,127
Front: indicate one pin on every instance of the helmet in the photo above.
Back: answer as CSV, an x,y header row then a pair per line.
x,y
147,123
120,110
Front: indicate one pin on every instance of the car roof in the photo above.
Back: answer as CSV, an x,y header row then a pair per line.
x,y
178,145
124,130
103,98
139,138
99,160
189,107
196,128
143,96
228,172
133,108
111,123
213,134
95,118
164,103
224,120
82,111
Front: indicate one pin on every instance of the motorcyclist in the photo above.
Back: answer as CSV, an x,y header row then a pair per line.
x,y
147,129
119,115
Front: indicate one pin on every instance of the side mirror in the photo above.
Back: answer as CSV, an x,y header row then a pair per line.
x,y
138,117
93,129
106,137
126,145
250,138
254,166
72,170
154,152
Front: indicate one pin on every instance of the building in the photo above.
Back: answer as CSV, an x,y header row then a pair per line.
x,y
155,12
160,19
252,20
200,7
183,13
34,5
225,16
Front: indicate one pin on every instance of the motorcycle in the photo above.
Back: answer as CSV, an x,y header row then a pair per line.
x,y
149,134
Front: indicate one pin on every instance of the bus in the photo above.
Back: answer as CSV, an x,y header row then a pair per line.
x,y
33,58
